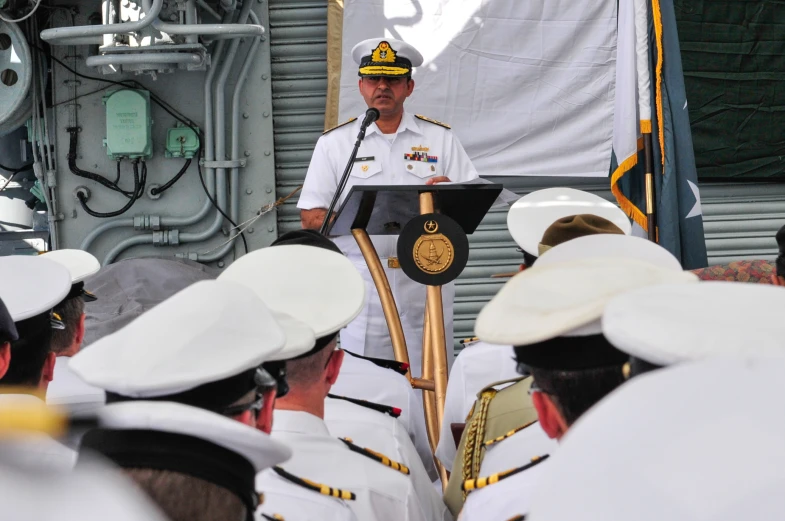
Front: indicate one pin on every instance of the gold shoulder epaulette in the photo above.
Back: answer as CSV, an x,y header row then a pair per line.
x,y
376,456
429,120
469,341
473,484
339,125
316,487
274,517
500,382
494,441
518,518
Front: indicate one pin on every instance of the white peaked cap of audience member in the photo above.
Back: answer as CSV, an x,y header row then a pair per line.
x,y
79,263
694,442
544,302
207,332
669,324
607,245
252,444
533,213
91,492
30,286
314,285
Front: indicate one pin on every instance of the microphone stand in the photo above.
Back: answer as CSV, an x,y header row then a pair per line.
x,y
345,177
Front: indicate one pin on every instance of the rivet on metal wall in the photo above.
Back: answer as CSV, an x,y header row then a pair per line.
x,y
267,152
270,229
248,191
269,190
246,115
264,76
265,114
221,264
247,153
249,230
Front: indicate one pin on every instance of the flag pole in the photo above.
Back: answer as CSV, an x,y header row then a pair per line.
x,y
644,110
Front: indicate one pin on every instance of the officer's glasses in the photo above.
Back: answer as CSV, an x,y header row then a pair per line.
x,y
374,81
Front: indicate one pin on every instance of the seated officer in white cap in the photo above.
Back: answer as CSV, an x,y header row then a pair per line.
x,y
181,380
672,324
557,339
30,289
8,334
66,387
322,288
537,222
122,291
696,442
399,149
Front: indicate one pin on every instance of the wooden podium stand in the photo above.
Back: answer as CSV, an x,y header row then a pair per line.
x,y
451,212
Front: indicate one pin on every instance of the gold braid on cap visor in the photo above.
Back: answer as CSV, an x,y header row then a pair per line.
x,y
380,70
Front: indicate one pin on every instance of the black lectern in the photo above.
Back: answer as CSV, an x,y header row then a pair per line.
x,y
432,223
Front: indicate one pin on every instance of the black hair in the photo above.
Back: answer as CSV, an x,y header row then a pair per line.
x,y
29,353
575,392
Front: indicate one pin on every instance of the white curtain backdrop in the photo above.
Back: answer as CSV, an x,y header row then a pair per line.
x,y
527,85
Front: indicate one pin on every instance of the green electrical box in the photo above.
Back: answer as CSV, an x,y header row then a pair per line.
x,y
181,141
128,124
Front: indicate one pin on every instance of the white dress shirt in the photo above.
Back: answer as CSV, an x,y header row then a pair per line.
x,y
504,500
297,503
365,380
71,392
517,450
476,366
382,493
383,161
34,451
382,433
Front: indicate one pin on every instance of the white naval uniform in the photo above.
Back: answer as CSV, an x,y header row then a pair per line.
x,y
368,333
517,450
478,365
504,500
297,503
382,433
382,493
71,392
365,380
35,451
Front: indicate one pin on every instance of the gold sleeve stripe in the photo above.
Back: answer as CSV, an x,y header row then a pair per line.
x,y
474,484
505,436
376,456
316,487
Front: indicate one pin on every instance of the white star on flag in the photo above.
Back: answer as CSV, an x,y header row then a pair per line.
x,y
696,210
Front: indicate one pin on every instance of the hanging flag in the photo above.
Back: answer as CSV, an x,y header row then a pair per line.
x,y
676,198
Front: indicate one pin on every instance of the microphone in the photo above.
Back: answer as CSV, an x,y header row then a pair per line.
x,y
371,115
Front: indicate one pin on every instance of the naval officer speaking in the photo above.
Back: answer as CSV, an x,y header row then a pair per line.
x,y
400,148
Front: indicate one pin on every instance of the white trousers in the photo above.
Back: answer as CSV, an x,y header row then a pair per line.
x,y
368,334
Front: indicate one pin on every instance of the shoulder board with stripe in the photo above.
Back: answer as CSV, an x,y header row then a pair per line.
x,y
274,517
339,125
316,487
398,367
500,382
494,441
429,120
395,412
518,518
474,484
469,341
376,456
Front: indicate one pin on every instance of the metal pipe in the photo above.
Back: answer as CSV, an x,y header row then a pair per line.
x,y
191,19
209,10
235,30
234,185
123,222
131,241
188,58
56,35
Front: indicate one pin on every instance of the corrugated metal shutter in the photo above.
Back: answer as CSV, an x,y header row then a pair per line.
x,y
740,219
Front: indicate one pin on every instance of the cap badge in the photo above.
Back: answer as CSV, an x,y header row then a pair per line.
x,y
431,227
383,53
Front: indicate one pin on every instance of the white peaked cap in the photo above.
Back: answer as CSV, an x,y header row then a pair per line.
x,y
669,324
314,285
207,332
402,49
300,338
79,263
30,286
696,442
532,214
545,302
609,245
252,444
